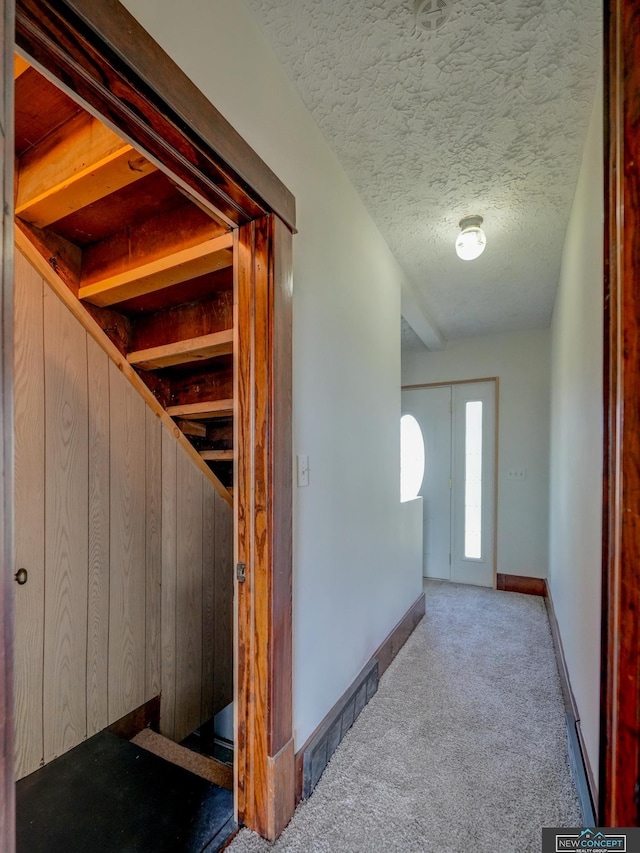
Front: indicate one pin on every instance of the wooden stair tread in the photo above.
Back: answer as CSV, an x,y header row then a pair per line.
x,y
202,411
183,352
174,268
217,455
202,765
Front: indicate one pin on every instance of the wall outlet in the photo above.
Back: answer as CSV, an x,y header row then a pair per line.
x,y
517,474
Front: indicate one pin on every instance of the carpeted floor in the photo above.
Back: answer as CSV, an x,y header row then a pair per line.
x,y
462,750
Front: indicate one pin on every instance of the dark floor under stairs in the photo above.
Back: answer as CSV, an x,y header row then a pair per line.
x,y
108,795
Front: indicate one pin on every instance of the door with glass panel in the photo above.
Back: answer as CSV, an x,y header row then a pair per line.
x,y
458,427
431,407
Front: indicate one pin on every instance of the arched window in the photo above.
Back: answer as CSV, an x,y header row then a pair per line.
x,y
411,458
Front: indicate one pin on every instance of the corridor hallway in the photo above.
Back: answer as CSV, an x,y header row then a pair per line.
x,y
463,748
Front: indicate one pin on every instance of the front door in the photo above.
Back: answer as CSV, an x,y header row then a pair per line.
x,y
458,427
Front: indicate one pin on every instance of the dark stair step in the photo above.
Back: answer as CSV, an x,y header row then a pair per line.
x,y
109,795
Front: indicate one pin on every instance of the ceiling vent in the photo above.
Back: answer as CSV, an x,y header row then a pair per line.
x,y
431,15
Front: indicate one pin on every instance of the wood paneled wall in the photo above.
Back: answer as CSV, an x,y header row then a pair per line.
x,y
127,546
197,589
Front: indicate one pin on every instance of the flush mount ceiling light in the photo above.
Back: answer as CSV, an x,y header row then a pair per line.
x,y
471,240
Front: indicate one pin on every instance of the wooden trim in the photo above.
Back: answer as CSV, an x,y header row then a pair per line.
x,y
384,655
146,716
175,268
263,493
101,52
520,583
583,773
73,167
202,411
86,320
183,352
7,790
400,634
620,684
217,455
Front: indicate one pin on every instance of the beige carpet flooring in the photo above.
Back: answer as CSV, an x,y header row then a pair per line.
x,y
462,750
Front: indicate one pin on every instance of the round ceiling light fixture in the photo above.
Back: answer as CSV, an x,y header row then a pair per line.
x,y
471,240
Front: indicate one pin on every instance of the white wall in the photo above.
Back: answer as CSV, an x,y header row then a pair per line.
x,y
576,438
521,362
350,584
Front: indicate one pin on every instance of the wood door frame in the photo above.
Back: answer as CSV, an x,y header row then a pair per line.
x,y
99,52
7,789
619,786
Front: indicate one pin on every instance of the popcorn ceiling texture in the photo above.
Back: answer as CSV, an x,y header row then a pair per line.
x,y
487,115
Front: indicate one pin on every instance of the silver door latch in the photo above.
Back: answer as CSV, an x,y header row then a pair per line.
x,y
240,572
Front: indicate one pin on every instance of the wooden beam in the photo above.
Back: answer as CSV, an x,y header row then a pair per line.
x,y
207,311
202,411
82,315
147,240
102,52
217,455
183,352
175,268
79,163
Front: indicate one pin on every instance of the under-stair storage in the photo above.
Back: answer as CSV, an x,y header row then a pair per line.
x,y
152,267
124,435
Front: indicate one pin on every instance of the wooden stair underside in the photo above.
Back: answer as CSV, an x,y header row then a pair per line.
x,y
153,267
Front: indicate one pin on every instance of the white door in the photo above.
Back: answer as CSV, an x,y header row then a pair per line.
x,y
458,427
431,407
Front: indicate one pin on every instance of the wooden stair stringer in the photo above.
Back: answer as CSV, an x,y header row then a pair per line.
x,y
81,314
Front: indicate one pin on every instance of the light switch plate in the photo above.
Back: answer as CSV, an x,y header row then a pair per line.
x,y
303,470
517,474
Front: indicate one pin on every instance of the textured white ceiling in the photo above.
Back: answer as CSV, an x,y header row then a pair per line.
x,y
487,115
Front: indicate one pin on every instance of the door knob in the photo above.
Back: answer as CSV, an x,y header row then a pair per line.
x,y
21,576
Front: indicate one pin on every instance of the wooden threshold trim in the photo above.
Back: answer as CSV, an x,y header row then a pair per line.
x,y
384,655
520,583
202,411
82,315
217,455
179,266
584,778
183,352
